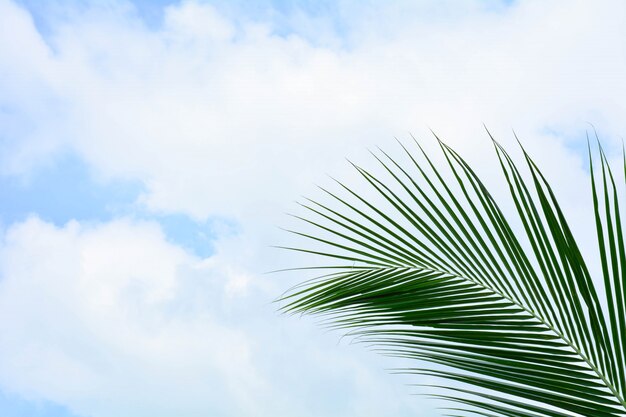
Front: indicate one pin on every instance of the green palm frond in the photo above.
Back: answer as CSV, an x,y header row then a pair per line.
x,y
432,270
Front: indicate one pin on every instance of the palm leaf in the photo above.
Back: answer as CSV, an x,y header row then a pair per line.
x,y
432,270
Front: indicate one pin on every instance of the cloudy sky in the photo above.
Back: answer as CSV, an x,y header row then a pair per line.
x,y
149,151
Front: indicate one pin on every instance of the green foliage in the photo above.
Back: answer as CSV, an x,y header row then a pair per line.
x,y
437,274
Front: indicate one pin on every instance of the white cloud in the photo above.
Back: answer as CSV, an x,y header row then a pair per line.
x,y
219,116
216,119
103,314
110,319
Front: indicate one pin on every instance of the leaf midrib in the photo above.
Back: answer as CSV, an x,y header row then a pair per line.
x,y
558,333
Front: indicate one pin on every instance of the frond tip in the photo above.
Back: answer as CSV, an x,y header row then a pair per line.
x,y
434,271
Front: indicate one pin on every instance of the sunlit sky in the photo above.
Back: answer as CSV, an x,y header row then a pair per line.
x,y
150,149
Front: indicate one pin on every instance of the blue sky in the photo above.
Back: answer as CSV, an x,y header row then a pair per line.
x,y
66,190
150,150
152,12
16,406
